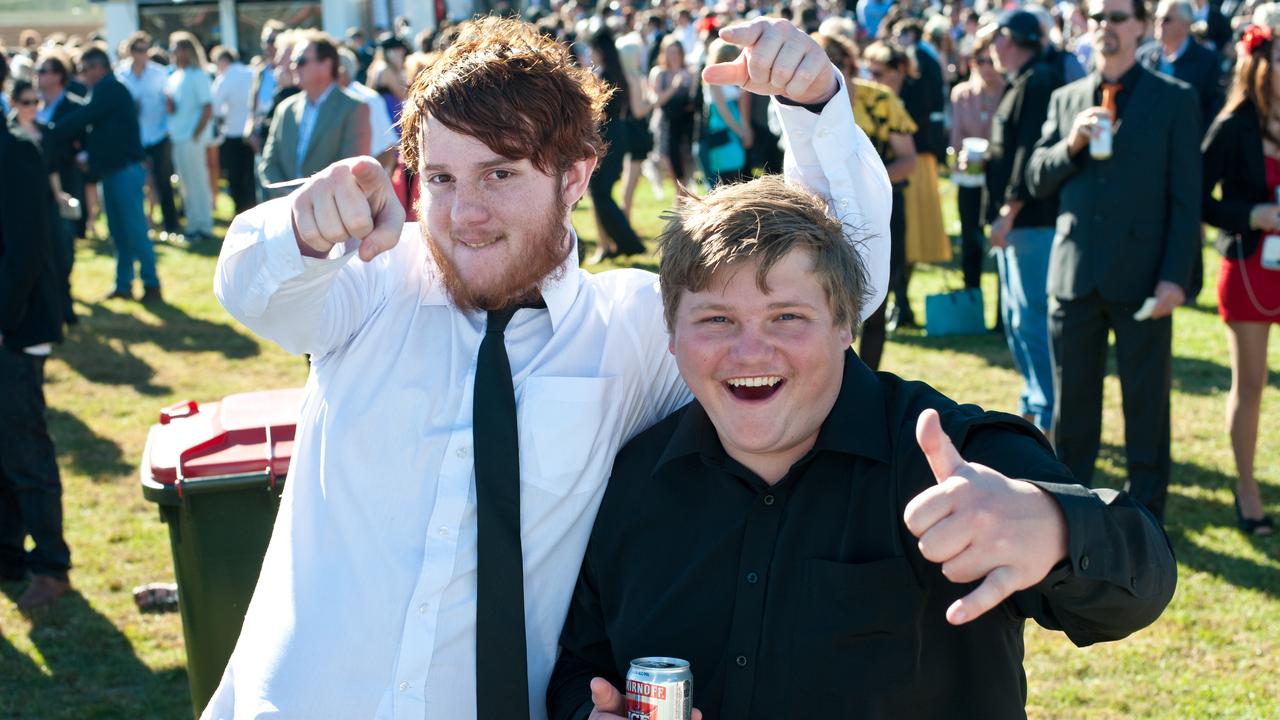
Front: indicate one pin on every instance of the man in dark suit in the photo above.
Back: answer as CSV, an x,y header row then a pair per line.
x,y
1127,229
320,125
1176,53
31,301
115,152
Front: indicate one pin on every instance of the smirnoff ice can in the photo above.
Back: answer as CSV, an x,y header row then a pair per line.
x,y
659,688
1100,143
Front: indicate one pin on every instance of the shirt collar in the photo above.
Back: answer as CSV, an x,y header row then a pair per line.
x,y
857,424
1128,81
1182,50
323,96
559,290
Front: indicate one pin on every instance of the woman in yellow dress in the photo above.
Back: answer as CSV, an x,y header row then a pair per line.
x,y
926,238
881,115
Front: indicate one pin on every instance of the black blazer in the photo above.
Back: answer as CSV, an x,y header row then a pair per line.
x,y
111,120
31,300
1233,156
1015,129
1126,223
1198,67
60,150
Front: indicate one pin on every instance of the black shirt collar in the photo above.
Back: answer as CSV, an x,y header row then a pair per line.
x,y
855,426
1128,81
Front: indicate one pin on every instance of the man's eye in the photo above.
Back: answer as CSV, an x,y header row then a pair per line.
x,y
716,319
502,174
439,179
788,316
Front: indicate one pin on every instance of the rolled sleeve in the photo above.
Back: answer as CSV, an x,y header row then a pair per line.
x,y
832,157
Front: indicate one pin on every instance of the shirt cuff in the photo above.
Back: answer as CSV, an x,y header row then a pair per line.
x,y
1083,565
282,261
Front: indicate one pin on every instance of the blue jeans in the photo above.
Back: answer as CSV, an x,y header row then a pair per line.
x,y
1024,306
122,195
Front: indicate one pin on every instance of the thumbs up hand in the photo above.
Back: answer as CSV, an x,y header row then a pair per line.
x,y
980,525
777,59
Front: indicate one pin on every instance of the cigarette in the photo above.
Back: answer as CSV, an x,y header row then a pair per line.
x,y
286,184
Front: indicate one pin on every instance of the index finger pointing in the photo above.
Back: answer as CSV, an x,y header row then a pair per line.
x,y
743,34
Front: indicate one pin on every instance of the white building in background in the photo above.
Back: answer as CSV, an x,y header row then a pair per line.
x,y
238,23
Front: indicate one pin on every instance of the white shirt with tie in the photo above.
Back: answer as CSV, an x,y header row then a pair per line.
x,y
366,603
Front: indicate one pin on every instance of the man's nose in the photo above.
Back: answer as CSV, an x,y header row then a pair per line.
x,y
469,206
752,344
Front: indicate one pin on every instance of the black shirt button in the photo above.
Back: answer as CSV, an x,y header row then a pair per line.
x,y
768,499
1084,562
752,578
741,660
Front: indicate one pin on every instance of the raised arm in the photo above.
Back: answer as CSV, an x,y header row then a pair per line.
x,y
826,151
286,270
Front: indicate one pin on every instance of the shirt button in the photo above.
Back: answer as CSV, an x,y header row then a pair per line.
x,y
741,660
1084,562
444,531
768,499
462,452
752,578
422,609
404,686
844,203
824,133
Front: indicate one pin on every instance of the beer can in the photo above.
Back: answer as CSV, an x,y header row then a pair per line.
x,y
1100,143
659,688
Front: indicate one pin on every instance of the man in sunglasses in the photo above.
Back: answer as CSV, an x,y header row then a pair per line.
x,y
1021,224
145,79
320,125
1127,231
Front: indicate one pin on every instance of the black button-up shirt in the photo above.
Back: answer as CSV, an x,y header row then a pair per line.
x,y
809,598
1015,130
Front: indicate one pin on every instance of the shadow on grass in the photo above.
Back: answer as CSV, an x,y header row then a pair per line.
x,y
89,453
1186,516
89,670
100,348
1194,376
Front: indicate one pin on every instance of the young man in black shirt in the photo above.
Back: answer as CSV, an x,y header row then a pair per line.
x,y
820,540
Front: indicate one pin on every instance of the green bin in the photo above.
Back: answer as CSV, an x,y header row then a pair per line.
x,y
216,472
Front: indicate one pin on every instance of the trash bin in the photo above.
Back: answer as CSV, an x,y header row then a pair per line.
x,y
216,472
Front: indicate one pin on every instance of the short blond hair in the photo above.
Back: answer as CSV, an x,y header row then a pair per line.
x,y
759,221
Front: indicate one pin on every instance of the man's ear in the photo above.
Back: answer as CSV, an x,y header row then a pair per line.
x,y
576,179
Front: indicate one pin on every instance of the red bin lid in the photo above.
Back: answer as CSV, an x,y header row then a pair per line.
x,y
243,434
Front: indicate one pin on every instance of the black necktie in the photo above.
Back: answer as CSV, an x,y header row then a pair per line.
x,y
502,674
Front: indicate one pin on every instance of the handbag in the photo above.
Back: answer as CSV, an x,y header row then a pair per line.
x,y
958,312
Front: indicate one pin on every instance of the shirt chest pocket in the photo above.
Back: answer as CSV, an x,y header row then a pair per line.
x,y
857,646
568,432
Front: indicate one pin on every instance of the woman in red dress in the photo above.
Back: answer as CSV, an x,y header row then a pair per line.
x,y
1242,152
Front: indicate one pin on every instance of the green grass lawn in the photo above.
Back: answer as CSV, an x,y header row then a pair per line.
x,y
1213,654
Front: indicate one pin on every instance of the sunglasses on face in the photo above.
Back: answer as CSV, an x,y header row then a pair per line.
x,y
982,61
300,61
136,49
46,71
1115,18
29,102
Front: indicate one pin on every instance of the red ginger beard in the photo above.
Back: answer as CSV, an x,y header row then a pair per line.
x,y
545,247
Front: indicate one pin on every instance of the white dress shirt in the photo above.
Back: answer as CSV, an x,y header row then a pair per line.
x,y
366,604
191,91
148,94
232,98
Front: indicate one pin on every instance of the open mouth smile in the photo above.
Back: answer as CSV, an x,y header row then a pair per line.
x,y
477,244
754,389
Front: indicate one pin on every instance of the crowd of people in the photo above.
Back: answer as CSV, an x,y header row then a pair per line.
x,y
1009,102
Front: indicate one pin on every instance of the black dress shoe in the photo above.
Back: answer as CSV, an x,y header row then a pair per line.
x,y
1258,527
118,295
152,295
